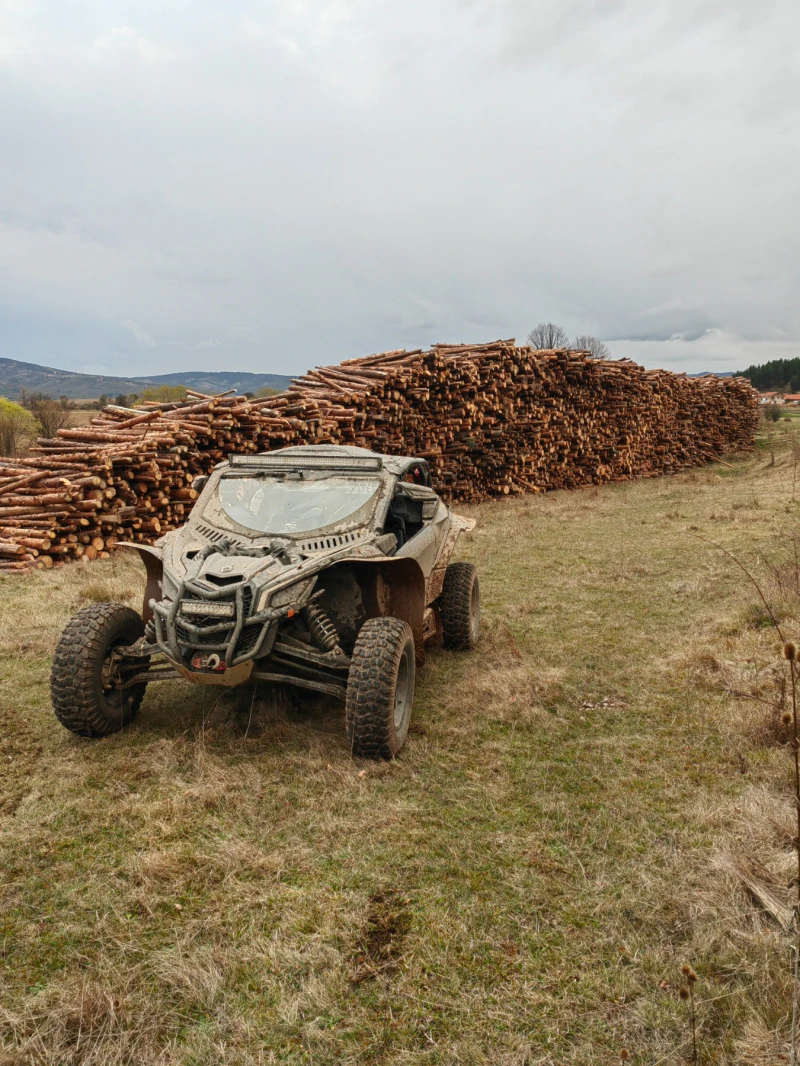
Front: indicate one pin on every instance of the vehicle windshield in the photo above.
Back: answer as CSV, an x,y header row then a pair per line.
x,y
284,506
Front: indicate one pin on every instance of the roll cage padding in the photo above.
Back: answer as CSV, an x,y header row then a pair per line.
x,y
421,471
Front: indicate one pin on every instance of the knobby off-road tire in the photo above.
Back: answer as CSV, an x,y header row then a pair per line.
x,y
81,700
380,688
460,607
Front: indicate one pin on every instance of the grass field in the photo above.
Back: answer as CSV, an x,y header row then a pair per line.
x,y
596,796
81,418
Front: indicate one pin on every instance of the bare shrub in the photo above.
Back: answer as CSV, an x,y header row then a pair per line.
x,y
52,415
587,343
548,335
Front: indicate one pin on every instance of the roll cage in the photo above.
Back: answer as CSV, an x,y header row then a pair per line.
x,y
398,510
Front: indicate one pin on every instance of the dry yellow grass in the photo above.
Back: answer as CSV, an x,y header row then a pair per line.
x,y
80,418
595,797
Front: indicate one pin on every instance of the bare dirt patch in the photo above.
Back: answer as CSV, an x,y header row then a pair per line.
x,y
381,942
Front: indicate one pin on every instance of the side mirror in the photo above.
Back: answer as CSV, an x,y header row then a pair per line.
x,y
200,482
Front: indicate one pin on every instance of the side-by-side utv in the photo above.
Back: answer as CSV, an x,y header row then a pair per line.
x,y
322,567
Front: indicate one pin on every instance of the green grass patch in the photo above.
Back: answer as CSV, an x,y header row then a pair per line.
x,y
521,886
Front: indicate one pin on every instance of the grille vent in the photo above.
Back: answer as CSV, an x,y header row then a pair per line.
x,y
322,544
248,640
214,536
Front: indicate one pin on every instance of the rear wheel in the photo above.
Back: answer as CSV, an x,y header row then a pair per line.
x,y
460,607
380,688
85,682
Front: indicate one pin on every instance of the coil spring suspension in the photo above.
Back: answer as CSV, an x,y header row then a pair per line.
x,y
322,629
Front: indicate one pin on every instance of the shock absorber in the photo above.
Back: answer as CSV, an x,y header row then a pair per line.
x,y
322,629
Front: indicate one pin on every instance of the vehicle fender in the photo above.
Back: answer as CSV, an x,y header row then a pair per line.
x,y
458,525
154,567
394,587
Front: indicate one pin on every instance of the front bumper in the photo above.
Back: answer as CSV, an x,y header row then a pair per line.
x,y
238,639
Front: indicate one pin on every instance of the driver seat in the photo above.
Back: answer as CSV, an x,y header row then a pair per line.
x,y
405,518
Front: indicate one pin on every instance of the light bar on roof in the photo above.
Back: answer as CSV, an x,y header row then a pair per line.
x,y
307,462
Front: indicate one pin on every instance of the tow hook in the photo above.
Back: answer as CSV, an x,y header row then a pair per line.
x,y
209,663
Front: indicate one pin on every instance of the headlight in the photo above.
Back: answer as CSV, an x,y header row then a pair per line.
x,y
208,609
285,597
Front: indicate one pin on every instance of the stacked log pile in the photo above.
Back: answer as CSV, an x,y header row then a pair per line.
x,y
491,419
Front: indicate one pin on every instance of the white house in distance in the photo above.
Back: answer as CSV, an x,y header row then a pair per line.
x,y
791,399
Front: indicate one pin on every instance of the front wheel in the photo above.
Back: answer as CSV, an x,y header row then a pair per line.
x,y
380,688
85,684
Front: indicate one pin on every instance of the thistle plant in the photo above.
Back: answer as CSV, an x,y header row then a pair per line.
x,y
686,992
789,720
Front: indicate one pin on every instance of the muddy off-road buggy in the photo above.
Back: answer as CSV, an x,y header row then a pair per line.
x,y
319,567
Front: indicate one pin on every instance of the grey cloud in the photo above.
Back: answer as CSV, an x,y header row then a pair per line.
x,y
307,182
140,335
688,335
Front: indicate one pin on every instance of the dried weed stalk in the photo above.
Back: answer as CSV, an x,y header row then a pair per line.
x,y
790,720
781,576
687,993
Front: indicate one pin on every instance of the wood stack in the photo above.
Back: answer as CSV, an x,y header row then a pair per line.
x,y
492,420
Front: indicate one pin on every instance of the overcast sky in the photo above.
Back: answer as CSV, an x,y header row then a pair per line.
x,y
267,186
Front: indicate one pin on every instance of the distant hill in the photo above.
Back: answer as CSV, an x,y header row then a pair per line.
x,y
220,381
778,374
15,376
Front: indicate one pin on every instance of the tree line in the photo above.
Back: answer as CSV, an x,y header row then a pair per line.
x,y
779,375
549,335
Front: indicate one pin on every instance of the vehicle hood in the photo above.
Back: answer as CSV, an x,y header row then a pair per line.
x,y
215,567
